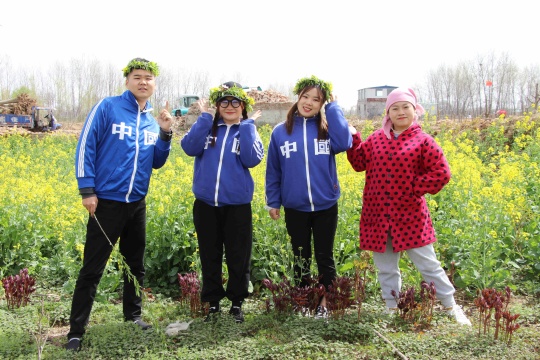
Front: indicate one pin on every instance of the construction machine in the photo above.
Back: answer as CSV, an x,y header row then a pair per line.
x,y
183,104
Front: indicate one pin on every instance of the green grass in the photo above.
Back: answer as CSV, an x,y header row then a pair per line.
x,y
263,335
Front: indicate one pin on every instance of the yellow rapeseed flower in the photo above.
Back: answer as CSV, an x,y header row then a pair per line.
x,y
80,249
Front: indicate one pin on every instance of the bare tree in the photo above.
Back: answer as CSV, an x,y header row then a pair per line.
x,y
75,86
201,83
528,88
6,77
434,91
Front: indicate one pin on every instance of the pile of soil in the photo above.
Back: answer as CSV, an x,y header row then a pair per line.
x,y
261,99
68,128
268,96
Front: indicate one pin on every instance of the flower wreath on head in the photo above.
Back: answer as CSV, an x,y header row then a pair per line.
x,y
139,63
325,86
239,93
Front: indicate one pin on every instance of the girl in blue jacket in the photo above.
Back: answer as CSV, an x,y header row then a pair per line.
x,y
225,146
301,176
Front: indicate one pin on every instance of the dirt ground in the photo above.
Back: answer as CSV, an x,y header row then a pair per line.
x,y
179,126
66,129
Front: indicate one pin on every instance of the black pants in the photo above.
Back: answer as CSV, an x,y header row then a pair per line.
x,y
323,225
126,221
228,227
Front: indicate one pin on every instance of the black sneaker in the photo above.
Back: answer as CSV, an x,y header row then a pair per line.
x,y
213,312
74,344
142,324
321,312
237,314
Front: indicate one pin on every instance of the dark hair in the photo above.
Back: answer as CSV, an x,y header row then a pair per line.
x,y
217,116
322,124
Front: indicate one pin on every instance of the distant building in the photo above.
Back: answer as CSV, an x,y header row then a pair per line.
x,y
371,101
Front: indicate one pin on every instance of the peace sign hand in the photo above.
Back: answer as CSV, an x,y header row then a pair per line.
x,y
165,118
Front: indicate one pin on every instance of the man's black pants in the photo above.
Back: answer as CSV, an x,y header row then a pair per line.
x,y
126,221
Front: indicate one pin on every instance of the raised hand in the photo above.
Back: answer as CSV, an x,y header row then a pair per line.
x,y
257,114
203,106
165,118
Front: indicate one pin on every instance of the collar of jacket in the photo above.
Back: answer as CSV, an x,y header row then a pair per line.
x,y
128,95
415,127
298,117
221,122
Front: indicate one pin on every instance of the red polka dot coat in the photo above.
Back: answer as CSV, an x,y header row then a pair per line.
x,y
398,174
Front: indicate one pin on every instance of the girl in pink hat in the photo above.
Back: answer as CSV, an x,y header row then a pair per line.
x,y
402,164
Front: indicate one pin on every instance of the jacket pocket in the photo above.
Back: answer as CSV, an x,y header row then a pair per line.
x,y
372,209
409,208
116,182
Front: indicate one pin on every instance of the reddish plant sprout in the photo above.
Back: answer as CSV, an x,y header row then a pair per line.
x,y
18,289
339,296
510,326
492,302
300,297
416,310
305,299
428,294
286,298
317,292
310,295
406,303
498,313
281,297
190,292
482,306
485,302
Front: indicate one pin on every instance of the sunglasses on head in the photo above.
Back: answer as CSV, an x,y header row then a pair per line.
x,y
234,102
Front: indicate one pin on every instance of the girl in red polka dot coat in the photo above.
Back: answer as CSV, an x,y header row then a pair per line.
x,y
402,163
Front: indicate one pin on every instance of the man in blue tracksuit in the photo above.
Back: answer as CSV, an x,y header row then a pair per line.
x,y
301,176
120,144
225,146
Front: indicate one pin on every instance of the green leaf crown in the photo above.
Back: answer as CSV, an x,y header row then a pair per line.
x,y
223,90
143,64
325,86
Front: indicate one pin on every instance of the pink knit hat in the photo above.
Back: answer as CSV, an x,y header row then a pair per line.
x,y
400,94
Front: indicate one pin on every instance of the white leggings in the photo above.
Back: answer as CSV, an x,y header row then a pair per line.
x,y
425,260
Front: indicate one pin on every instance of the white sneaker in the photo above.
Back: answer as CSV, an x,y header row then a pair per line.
x,y
457,312
391,311
321,312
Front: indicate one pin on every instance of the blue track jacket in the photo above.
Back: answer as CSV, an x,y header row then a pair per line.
x,y
300,170
118,147
221,172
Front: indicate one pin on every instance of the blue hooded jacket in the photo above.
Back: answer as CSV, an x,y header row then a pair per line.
x,y
117,149
300,170
221,172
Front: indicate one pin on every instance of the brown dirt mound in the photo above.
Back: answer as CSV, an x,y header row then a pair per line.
x,y
73,128
268,96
